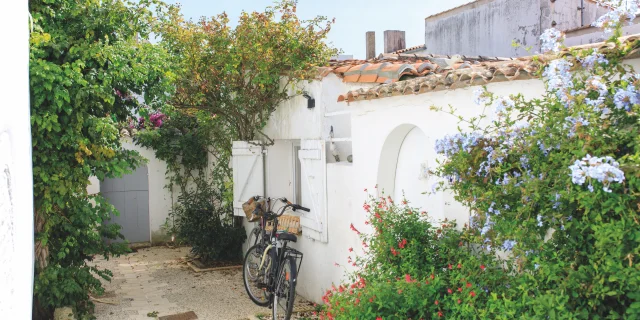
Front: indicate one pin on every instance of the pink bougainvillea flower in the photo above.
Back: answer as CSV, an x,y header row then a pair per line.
x,y
459,289
407,278
473,294
440,314
449,291
450,266
379,318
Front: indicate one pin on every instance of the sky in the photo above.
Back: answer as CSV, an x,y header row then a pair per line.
x,y
353,17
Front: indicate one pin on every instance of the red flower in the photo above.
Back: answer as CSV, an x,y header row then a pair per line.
x,y
404,201
423,213
379,318
468,285
366,222
437,302
473,294
354,229
450,267
336,264
459,289
459,301
450,291
399,291
427,282
394,252
482,267
365,189
366,207
350,249
432,276
370,299
402,243
439,313
459,266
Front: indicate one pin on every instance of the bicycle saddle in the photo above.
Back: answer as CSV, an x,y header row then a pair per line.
x,y
285,236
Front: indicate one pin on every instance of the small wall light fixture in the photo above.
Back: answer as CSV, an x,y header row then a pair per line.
x,y
311,102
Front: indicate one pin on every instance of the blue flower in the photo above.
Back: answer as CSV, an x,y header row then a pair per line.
x,y
551,40
603,169
539,218
625,98
508,245
590,60
481,97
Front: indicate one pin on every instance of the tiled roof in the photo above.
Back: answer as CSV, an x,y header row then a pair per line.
x,y
414,48
429,79
392,67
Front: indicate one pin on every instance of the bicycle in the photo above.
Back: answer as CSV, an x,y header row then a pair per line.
x,y
270,271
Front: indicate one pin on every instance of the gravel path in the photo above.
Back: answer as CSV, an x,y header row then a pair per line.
x,y
157,281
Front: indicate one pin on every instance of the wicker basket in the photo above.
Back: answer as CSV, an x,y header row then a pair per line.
x,y
286,223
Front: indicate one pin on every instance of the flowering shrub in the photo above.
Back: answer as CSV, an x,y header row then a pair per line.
x,y
413,269
552,184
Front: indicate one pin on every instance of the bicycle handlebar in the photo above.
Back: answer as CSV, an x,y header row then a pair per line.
x,y
287,203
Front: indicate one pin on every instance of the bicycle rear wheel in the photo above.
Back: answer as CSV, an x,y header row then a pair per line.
x,y
285,292
255,274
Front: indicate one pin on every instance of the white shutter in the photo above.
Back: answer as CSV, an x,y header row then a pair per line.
x,y
313,162
248,174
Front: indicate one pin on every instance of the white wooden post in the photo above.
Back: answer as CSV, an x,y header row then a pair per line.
x,y
16,180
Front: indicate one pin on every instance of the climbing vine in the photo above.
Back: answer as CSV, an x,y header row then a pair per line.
x,y
90,66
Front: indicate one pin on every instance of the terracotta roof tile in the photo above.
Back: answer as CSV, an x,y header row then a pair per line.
x,y
436,73
419,47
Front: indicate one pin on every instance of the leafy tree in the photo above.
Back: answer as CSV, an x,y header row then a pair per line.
x,y
241,74
90,63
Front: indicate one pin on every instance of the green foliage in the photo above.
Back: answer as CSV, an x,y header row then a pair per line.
x,y
577,242
552,184
203,215
241,74
88,59
206,223
413,269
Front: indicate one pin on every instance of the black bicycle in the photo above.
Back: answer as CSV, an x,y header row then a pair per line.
x,y
270,267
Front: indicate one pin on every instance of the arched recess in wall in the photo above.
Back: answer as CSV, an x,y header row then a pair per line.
x,y
402,167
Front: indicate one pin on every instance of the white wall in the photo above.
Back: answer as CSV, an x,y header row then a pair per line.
x,y
368,124
16,186
371,123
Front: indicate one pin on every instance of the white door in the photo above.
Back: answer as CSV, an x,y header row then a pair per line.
x,y
313,187
248,173
409,180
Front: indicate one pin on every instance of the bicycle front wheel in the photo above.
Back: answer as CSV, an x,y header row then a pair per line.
x,y
254,236
285,292
255,273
